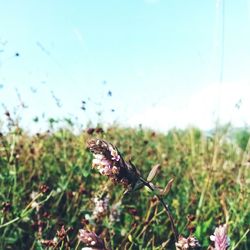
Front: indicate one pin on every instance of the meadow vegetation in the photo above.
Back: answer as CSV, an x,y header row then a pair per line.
x,y
48,190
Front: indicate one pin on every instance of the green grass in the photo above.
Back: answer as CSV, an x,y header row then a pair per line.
x,y
211,186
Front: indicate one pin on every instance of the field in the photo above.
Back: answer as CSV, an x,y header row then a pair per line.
x,y
49,191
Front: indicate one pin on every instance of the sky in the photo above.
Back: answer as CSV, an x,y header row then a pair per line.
x,y
159,63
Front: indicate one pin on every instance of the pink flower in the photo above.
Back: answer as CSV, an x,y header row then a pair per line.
x,y
114,153
220,238
108,161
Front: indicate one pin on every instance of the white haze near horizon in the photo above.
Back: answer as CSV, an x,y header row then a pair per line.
x,y
217,102
223,102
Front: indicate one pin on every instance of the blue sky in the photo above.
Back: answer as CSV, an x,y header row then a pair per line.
x,y
167,62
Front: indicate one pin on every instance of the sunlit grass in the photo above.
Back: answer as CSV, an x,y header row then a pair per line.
x,y
211,187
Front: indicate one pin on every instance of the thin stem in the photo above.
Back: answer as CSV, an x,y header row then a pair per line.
x,y
9,222
244,235
25,210
78,244
165,205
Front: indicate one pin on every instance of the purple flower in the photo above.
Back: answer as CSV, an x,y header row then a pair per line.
x,y
108,161
90,239
220,238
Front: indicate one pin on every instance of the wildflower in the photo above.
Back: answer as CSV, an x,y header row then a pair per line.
x,y
34,204
33,195
62,233
91,240
187,243
101,207
115,213
6,206
44,189
108,161
49,243
220,238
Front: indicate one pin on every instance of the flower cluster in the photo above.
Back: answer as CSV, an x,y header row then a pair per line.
x,y
108,161
187,243
91,240
101,207
220,238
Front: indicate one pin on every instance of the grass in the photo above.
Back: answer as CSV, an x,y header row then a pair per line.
x,y
47,188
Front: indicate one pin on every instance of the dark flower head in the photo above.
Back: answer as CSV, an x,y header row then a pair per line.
x,y
99,130
108,161
6,206
44,189
90,239
90,131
